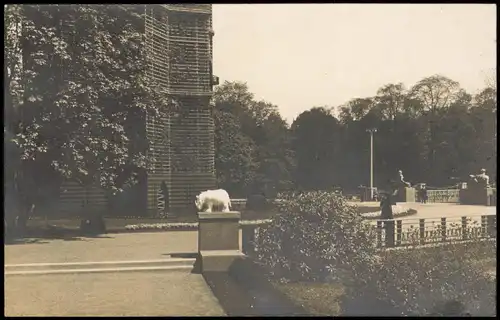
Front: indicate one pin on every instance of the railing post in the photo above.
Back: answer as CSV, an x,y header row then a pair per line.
x,y
421,226
464,228
492,225
256,234
484,224
389,233
399,232
379,233
443,229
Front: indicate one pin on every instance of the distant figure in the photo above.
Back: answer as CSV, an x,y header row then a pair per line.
x,y
164,198
482,179
94,224
207,200
402,179
386,205
422,193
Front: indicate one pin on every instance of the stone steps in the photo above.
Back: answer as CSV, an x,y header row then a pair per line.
x,y
171,264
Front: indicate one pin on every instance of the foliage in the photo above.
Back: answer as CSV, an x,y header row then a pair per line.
x,y
319,299
257,202
316,236
416,281
235,154
76,87
316,137
84,91
252,143
182,225
434,131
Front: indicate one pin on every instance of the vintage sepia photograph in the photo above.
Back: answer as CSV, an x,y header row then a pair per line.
x,y
250,160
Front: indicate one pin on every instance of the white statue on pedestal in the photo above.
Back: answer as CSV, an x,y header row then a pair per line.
x,y
207,200
402,179
481,179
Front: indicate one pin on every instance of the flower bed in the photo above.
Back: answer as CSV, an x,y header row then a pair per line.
x,y
182,225
398,211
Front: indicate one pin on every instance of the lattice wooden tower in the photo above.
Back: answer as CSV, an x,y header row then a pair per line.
x,y
179,43
179,47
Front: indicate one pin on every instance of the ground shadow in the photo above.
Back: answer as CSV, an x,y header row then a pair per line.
x,y
183,255
23,241
266,300
233,299
78,237
100,236
187,255
243,291
37,235
197,268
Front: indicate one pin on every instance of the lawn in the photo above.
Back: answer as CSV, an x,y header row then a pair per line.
x,y
38,225
320,299
325,299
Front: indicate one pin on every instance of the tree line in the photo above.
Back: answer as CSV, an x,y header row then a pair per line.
x,y
76,85
434,131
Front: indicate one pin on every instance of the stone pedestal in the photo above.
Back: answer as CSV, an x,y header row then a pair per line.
x,y
478,196
218,240
406,194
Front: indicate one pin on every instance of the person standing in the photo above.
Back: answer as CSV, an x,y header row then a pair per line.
x,y
422,193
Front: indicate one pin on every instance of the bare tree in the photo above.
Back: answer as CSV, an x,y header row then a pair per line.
x,y
436,92
490,78
391,99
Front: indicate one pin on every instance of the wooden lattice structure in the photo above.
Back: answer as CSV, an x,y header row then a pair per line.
x,y
179,45
179,49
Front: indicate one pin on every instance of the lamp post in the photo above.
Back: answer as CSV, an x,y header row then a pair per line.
x,y
371,131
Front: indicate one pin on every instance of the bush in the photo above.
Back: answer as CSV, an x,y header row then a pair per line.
x,y
257,202
183,225
420,281
316,236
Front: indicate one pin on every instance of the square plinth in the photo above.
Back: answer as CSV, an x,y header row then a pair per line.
x,y
218,260
406,194
218,230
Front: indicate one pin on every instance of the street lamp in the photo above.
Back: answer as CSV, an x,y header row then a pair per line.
x,y
371,131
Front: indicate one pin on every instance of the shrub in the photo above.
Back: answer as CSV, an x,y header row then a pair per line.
x,y
419,281
257,202
183,225
316,236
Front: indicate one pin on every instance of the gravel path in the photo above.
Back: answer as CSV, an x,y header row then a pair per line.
x,y
114,294
437,210
160,293
112,247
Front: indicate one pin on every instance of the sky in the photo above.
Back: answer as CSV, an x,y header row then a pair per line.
x,y
298,56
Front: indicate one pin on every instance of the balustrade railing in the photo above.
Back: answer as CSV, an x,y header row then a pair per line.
x,y
408,232
443,196
404,232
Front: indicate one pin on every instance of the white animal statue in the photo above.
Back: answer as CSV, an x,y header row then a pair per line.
x,y
207,200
